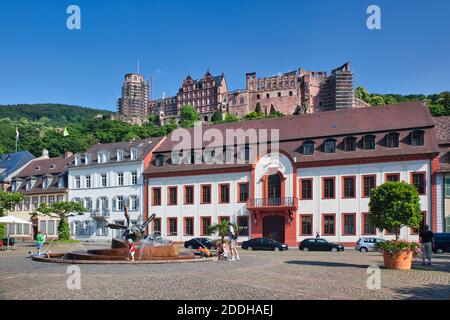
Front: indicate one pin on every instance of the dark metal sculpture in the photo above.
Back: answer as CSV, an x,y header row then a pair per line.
x,y
134,232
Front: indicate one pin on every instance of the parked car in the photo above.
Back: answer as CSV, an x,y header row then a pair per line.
x,y
441,242
319,245
264,244
12,241
199,242
365,244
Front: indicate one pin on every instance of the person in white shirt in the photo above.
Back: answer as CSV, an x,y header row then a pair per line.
x,y
232,239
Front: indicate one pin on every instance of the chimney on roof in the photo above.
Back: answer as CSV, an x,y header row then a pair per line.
x,y
68,154
45,153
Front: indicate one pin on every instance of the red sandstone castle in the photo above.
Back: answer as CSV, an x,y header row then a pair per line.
x,y
295,92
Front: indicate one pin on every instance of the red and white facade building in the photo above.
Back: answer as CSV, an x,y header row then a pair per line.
x,y
316,179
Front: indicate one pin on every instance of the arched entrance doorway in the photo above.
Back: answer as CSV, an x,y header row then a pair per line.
x,y
274,228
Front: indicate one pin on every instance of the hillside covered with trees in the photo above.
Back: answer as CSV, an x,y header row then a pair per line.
x,y
58,115
42,126
439,103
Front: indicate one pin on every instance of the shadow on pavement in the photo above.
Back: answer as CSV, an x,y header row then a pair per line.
x,y
428,292
328,264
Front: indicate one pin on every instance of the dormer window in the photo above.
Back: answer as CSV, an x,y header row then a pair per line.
x,y
392,140
417,138
87,159
119,155
103,158
308,148
45,182
330,146
77,160
28,185
159,160
14,185
133,154
369,142
350,144
61,182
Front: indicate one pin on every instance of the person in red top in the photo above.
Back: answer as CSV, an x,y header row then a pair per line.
x,y
131,249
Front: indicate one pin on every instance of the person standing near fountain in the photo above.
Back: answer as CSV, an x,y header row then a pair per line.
x,y
39,242
131,249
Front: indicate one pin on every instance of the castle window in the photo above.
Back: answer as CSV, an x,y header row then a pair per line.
x,y
417,138
279,94
290,93
268,95
258,96
350,144
392,140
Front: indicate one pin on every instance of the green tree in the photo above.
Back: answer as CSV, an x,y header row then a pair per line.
x,y
217,116
221,228
188,116
231,117
394,205
377,100
61,211
361,93
8,200
437,110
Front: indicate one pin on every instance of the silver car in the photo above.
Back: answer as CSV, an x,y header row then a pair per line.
x,y
365,244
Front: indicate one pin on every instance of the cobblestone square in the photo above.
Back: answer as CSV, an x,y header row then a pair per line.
x,y
258,275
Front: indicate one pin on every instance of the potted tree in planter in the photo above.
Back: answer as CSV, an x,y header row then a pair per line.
x,y
395,205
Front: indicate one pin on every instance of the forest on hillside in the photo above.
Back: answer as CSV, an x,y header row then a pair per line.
x,y
57,115
42,126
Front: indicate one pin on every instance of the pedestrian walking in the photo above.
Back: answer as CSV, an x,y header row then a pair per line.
x,y
232,237
426,239
39,242
317,235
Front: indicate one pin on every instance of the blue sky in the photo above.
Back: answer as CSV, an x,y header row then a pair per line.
x,y
42,61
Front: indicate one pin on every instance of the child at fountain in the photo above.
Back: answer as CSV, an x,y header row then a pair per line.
x,y
131,249
39,242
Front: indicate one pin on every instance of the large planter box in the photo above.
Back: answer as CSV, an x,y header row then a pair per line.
x,y
399,261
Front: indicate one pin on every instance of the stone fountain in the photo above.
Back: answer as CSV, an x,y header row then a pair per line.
x,y
146,251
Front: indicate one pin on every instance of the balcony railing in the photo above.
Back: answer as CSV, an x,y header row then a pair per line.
x,y
286,202
100,213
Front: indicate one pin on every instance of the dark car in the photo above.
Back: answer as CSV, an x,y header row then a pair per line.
x,y
264,244
199,242
441,242
12,241
319,245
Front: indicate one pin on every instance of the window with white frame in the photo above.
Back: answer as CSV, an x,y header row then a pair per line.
x,y
119,155
104,180
77,183
133,154
88,204
120,179
45,182
134,203
134,177
120,203
88,181
61,183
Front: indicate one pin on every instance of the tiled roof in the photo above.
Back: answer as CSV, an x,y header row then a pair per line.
x,y
293,131
143,147
442,129
52,166
13,161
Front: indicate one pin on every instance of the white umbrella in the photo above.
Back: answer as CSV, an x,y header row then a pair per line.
x,y
12,220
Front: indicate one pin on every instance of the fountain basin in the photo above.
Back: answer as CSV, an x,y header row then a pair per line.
x,y
119,253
